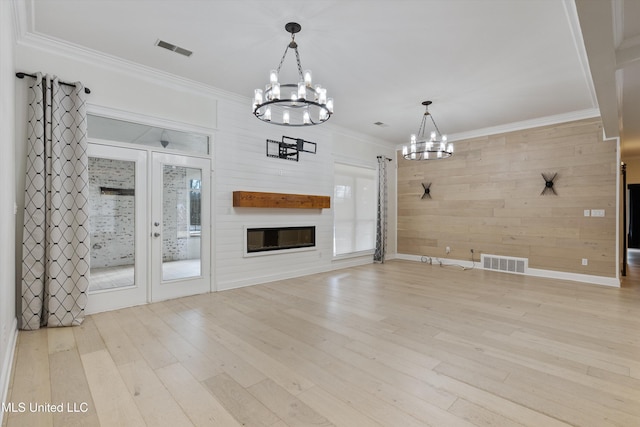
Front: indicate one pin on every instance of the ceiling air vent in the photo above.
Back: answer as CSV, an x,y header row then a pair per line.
x,y
382,125
174,48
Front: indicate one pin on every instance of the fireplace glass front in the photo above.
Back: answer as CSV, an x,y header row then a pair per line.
x,y
279,238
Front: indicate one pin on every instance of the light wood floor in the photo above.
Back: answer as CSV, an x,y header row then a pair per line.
x,y
401,344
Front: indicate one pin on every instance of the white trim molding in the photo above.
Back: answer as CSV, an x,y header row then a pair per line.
x,y
535,272
7,365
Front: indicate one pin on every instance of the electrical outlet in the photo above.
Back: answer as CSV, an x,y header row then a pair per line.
x,y
585,261
448,249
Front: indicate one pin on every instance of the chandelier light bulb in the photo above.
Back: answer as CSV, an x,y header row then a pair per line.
x,y
273,77
330,104
305,118
285,117
275,91
322,96
258,96
267,114
450,148
302,90
433,136
307,77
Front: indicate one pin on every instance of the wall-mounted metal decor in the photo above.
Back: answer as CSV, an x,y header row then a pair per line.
x,y
427,190
289,148
548,184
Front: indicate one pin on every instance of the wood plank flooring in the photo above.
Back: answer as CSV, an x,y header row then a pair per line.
x,y
397,345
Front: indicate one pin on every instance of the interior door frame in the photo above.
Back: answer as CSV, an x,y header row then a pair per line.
x,y
135,117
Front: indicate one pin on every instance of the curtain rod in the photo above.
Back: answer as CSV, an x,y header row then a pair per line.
x,y
21,75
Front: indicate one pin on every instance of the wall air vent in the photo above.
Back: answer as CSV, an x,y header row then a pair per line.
x,y
173,48
504,263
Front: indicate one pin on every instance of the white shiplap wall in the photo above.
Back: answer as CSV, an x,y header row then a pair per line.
x,y
241,164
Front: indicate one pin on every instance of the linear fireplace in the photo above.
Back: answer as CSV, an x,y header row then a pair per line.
x,y
267,239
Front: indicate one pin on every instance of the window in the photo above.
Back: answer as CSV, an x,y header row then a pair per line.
x,y
194,207
354,207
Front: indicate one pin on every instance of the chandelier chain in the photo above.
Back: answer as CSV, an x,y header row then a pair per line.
x,y
435,125
298,62
282,59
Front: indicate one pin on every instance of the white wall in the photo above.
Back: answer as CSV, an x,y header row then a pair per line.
x,y
7,197
239,158
242,164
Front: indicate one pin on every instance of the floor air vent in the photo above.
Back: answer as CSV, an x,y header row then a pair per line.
x,y
504,263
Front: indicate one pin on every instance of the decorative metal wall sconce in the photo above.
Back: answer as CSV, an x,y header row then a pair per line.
x,y
427,190
289,150
548,184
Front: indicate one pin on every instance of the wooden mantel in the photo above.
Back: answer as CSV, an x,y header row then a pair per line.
x,y
253,199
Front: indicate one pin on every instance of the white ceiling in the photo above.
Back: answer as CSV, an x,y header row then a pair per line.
x,y
483,63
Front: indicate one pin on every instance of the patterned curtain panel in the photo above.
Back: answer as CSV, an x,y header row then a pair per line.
x,y
381,217
55,248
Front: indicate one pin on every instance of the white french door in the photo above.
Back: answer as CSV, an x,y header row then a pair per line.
x,y
180,249
150,230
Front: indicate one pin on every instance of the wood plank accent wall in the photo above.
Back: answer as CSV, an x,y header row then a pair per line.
x,y
487,198
254,199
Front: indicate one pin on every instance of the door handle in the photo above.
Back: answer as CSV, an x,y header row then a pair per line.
x,y
156,234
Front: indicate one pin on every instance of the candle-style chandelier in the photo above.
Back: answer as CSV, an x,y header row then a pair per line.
x,y
292,104
421,148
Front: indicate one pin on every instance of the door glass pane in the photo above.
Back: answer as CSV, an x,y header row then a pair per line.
x,y
112,223
151,136
181,212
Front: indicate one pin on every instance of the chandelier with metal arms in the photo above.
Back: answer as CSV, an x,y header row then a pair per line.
x,y
292,104
420,148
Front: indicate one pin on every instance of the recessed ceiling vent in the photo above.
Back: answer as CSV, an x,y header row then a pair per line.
x,y
382,125
174,48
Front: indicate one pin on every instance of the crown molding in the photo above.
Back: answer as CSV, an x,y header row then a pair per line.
x,y
20,15
571,13
525,124
31,39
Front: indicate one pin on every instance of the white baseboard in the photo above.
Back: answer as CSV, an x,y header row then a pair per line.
x,y
437,261
536,272
576,277
5,374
